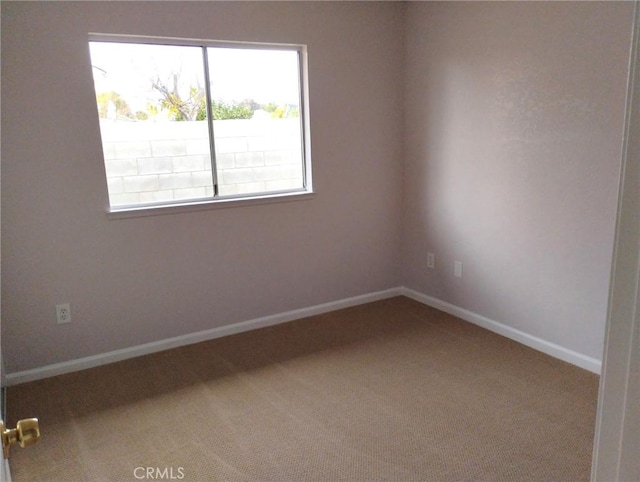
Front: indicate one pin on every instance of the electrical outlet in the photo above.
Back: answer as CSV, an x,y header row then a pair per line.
x,y
431,260
63,313
457,269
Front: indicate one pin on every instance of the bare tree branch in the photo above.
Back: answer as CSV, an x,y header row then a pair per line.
x,y
187,109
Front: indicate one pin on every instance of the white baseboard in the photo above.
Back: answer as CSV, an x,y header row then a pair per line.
x,y
156,346
539,344
583,361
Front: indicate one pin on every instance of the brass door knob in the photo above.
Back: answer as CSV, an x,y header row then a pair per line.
x,y
27,432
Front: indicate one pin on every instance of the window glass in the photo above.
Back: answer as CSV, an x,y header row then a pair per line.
x,y
262,150
182,123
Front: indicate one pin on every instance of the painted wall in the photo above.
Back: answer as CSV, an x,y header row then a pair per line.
x,y
132,281
509,140
514,117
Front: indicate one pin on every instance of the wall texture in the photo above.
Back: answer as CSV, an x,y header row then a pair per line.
x,y
514,117
485,132
132,281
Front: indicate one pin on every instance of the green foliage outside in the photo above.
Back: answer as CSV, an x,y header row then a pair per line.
x,y
281,111
221,110
119,106
112,105
191,108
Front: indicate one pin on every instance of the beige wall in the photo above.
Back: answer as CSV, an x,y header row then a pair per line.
x,y
513,124
485,132
133,281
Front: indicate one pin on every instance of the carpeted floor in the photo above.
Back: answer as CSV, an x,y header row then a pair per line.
x,y
391,390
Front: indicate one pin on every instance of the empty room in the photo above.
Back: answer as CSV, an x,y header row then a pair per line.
x,y
291,241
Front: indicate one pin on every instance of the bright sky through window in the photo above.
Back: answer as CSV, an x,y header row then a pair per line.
x,y
270,75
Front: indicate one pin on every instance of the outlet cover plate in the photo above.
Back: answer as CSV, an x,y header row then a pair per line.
x,y
63,313
457,269
431,260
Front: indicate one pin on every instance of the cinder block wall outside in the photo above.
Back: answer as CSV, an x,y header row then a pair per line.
x,y
162,161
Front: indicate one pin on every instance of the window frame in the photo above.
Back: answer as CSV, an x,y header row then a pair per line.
x,y
216,200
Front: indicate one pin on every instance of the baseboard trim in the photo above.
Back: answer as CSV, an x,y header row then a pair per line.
x,y
557,351
188,339
583,361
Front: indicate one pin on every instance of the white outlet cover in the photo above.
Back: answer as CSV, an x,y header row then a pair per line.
x,y
431,260
63,313
457,269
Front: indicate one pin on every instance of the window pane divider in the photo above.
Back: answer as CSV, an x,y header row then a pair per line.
x,y
212,142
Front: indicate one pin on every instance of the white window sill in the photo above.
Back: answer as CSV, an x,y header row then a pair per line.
x,y
220,203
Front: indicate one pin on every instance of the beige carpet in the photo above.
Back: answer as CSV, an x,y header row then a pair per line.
x,y
391,390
